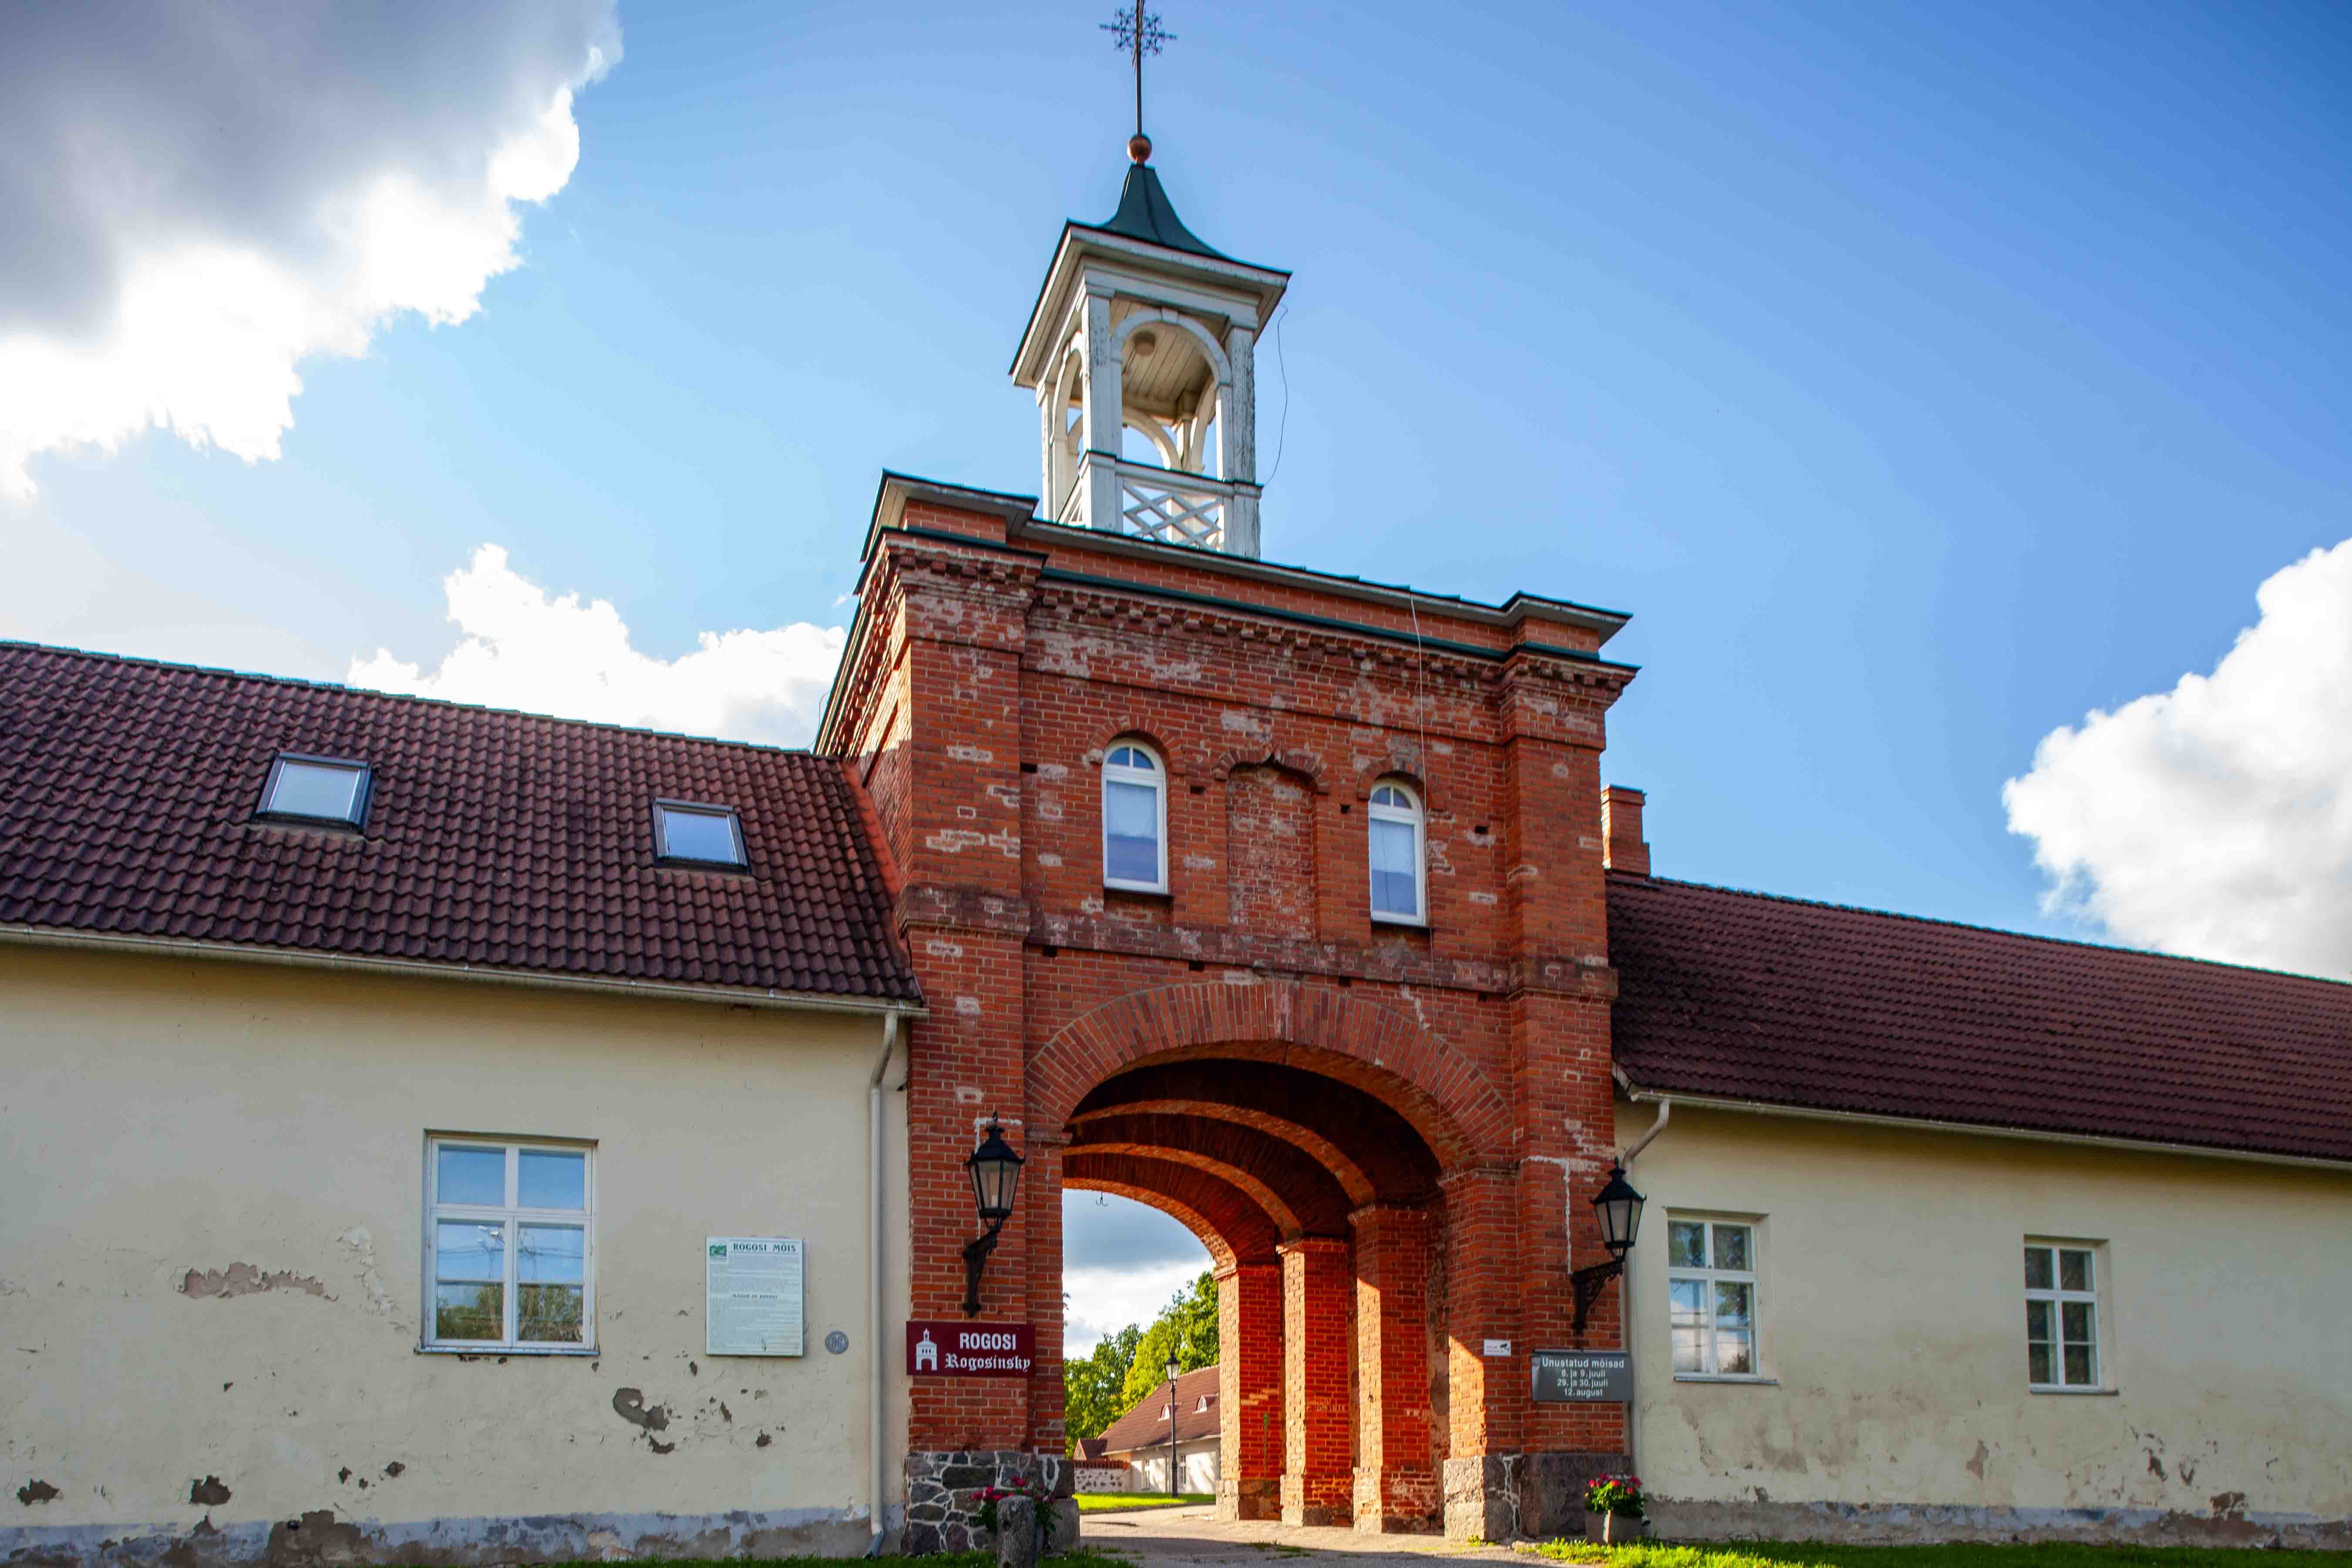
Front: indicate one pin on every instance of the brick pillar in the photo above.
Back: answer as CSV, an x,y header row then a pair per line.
x,y
1317,1348
1249,1390
1396,1485
1485,1395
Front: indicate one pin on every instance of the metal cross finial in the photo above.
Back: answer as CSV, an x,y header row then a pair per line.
x,y
1139,33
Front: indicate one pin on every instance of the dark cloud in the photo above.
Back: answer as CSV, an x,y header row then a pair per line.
x,y
196,196
1100,1231
128,123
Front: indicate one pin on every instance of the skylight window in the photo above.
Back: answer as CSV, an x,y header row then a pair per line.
x,y
692,835
317,789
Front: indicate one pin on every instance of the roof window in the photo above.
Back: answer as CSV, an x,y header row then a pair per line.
x,y
689,835
317,789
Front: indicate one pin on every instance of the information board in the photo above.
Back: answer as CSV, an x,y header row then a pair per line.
x,y
1576,1377
953,1349
753,1302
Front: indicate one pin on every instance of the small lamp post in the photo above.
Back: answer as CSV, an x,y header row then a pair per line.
x,y
995,1170
1619,1208
1172,1369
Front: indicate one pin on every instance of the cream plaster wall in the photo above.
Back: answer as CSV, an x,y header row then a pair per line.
x,y
157,1116
1891,1300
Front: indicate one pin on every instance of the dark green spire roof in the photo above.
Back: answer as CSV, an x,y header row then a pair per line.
x,y
1144,213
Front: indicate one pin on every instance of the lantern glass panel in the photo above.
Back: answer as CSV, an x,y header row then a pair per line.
x,y
1620,1210
995,1175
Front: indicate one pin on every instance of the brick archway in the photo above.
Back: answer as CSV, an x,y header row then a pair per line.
x,y
1379,1050
1305,1134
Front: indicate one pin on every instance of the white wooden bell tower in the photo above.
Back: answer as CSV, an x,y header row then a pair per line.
x,y
1140,327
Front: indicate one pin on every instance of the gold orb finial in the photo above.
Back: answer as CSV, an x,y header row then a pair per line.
x,y
1139,148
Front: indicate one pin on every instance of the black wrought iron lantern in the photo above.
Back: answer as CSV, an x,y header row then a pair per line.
x,y
995,1169
995,1176
1620,1207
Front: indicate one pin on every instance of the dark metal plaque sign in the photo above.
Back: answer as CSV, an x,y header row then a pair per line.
x,y
1578,1377
960,1349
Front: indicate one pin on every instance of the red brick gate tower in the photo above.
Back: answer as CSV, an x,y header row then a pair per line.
x,y
1269,898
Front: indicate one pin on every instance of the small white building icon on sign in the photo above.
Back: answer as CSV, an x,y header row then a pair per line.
x,y
926,1354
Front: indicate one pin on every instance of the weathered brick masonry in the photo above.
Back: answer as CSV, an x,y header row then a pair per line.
x,y
1387,1136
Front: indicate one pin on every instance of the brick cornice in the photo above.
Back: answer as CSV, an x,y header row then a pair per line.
x,y
943,906
1373,961
1063,604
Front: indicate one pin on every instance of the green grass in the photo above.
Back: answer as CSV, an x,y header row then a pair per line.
x,y
1122,1502
1817,1554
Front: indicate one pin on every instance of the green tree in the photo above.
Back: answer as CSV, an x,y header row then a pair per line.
x,y
1091,1387
1188,1322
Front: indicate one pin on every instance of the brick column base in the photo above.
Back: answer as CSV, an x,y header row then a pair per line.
x,y
1318,1458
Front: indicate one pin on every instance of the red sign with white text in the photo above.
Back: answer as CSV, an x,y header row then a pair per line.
x,y
953,1349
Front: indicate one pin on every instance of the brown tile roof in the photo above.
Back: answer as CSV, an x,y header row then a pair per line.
x,y
1147,1424
497,839
1747,996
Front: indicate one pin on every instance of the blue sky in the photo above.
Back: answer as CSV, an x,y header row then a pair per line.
x,y
1921,381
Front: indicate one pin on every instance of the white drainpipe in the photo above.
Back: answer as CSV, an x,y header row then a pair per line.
x,y
1625,1296
877,1330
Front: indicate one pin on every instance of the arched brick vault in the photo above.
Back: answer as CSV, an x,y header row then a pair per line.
x,y
1286,1219
1232,1227
1374,1154
1353,1183
1381,1050
1291,1185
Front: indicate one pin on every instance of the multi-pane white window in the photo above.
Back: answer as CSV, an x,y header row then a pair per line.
x,y
1399,886
1135,819
509,1245
2062,1315
1711,1296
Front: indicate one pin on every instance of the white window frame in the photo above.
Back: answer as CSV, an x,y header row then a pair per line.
x,y
512,1215
2059,1298
1417,817
1710,1276
1122,773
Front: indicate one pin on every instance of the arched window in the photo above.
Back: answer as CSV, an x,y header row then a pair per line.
x,y
1398,883
1135,819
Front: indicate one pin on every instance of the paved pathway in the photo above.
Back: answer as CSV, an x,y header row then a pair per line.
x,y
1192,1538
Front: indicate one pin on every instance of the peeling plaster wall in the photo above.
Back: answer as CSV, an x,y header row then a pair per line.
x,y
211,1251
1891,1307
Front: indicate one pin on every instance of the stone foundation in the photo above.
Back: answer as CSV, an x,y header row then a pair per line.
x,y
1552,1490
1907,1523
1482,1497
1241,1497
329,1537
943,1498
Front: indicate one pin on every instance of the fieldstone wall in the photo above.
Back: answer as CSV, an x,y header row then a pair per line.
x,y
943,1503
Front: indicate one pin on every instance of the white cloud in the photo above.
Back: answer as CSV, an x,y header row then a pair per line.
x,y
525,649
1105,1301
202,195
2215,819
